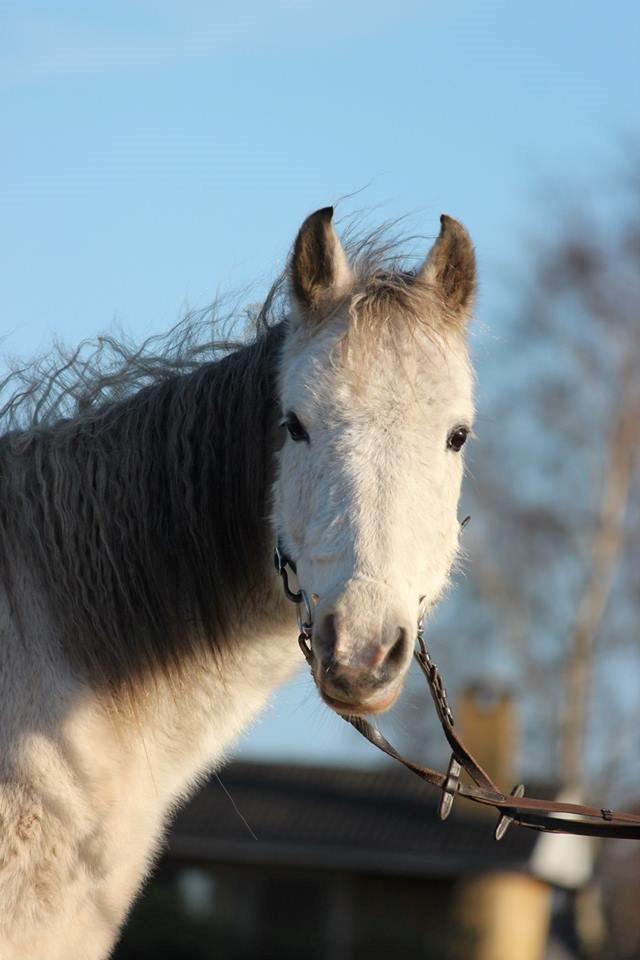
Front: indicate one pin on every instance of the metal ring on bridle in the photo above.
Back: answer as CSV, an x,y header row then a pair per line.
x,y
304,612
281,562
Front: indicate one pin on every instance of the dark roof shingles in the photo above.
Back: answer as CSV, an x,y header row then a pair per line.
x,y
337,818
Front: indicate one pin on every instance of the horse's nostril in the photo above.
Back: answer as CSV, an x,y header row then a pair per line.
x,y
397,652
326,637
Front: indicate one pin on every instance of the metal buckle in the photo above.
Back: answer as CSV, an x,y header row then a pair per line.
x,y
305,617
504,820
305,625
449,788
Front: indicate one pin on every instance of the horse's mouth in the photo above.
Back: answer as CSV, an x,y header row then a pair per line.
x,y
378,703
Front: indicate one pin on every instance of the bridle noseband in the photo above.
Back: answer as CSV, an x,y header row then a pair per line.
x,y
543,815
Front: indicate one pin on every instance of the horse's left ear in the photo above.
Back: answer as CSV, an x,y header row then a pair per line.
x,y
451,267
320,271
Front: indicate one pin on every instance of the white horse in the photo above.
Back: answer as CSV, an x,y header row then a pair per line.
x,y
142,625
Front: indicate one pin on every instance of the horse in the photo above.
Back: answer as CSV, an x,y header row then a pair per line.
x,y
142,623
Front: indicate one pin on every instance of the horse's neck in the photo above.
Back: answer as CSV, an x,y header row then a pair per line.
x,y
146,529
94,781
170,705
233,641
95,749
191,728
166,728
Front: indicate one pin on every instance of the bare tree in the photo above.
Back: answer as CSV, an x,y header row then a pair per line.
x,y
551,596
554,553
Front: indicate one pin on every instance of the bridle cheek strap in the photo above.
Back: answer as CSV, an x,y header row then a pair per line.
x,y
544,815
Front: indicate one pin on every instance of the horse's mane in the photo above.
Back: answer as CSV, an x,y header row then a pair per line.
x,y
66,383
135,481
73,383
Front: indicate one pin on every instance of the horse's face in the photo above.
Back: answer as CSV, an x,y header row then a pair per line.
x,y
376,394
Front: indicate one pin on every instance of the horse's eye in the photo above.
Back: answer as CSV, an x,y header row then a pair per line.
x,y
457,438
296,431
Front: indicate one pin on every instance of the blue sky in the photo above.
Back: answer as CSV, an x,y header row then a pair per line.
x,y
156,154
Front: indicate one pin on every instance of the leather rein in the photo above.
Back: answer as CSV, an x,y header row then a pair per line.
x,y
543,815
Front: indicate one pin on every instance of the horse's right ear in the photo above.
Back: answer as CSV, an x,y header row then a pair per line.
x,y
320,272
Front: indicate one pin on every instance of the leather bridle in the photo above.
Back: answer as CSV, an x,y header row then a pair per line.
x,y
544,815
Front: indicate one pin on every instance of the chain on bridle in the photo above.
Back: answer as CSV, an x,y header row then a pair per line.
x,y
544,815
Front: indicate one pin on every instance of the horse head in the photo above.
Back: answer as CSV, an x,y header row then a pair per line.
x,y
376,392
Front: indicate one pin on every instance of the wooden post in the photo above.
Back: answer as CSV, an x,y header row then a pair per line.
x,y
488,720
501,916
497,916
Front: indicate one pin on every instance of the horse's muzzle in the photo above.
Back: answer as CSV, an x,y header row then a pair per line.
x,y
355,675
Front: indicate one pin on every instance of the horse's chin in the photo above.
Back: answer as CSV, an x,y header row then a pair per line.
x,y
379,702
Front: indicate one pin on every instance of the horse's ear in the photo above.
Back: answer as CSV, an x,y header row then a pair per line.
x,y
451,267
320,271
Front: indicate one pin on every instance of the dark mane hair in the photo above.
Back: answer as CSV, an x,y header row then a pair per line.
x,y
124,504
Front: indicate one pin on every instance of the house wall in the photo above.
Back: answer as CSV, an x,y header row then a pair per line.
x,y
190,912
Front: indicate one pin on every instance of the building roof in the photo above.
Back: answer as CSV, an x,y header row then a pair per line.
x,y
339,819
